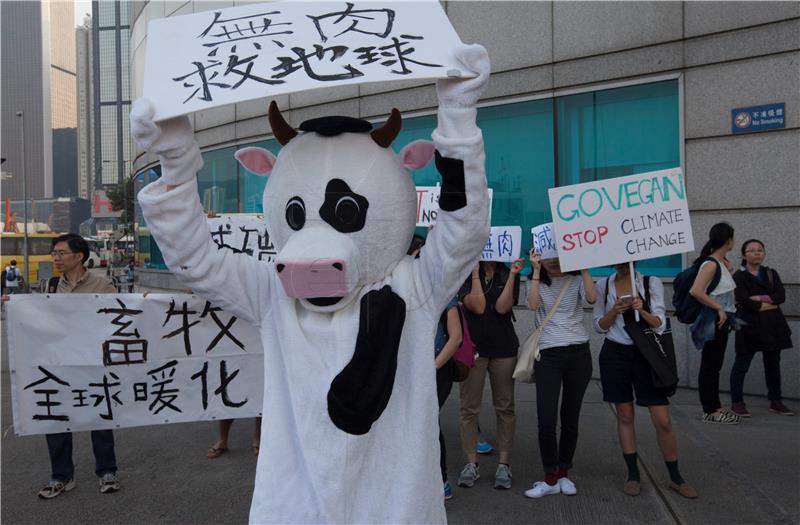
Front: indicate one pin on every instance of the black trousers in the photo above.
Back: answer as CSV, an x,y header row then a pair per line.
x,y
444,384
60,448
561,372
710,364
772,374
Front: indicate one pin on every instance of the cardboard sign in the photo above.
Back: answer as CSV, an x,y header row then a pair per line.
x,y
223,56
621,220
503,244
133,361
544,241
428,205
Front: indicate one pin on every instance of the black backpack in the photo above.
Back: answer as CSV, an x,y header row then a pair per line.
x,y
52,284
11,274
687,308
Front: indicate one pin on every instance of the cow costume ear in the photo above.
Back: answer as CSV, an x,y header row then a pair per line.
x,y
417,154
256,160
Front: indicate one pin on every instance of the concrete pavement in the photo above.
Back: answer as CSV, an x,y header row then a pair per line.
x,y
749,473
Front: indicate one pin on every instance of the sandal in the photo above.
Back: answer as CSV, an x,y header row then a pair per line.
x,y
215,452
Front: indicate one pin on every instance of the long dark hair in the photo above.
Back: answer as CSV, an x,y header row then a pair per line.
x,y
720,233
545,278
744,247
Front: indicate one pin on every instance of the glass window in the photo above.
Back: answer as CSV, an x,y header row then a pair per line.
x,y
251,187
107,16
617,132
125,62
108,140
518,141
108,66
217,181
11,246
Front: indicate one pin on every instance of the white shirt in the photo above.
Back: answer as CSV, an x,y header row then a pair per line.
x,y
616,332
726,282
565,327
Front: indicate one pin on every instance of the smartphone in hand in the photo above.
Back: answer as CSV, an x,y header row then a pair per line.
x,y
626,299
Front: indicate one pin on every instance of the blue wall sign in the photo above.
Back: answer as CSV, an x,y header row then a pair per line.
x,y
758,118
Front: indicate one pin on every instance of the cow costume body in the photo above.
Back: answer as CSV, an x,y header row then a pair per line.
x,y
347,319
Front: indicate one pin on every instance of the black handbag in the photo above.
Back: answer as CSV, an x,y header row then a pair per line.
x,y
657,349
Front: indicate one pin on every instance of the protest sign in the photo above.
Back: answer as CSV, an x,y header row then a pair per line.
x,y
621,219
106,361
223,56
428,205
242,234
544,241
503,244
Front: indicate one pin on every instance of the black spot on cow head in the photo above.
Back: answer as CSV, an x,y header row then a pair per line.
x,y
343,209
332,126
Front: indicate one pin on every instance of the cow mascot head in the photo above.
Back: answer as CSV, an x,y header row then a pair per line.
x,y
339,204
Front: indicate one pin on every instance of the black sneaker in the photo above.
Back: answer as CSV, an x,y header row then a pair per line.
x,y
779,408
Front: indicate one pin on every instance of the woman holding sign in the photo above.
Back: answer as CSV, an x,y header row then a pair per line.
x,y
492,291
563,370
624,371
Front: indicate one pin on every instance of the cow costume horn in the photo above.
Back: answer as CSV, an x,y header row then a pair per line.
x,y
280,128
385,135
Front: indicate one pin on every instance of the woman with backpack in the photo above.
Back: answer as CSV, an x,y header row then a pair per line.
x,y
491,292
563,370
710,330
759,294
624,370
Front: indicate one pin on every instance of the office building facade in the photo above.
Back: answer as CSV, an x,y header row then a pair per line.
x,y
580,91
38,80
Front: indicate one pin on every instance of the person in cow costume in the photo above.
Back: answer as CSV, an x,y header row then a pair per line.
x,y
346,317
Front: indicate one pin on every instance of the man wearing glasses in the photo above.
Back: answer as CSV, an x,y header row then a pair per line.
x,y
69,253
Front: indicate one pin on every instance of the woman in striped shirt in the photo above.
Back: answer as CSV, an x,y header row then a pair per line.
x,y
564,369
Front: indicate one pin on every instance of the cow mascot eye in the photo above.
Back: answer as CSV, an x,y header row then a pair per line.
x,y
347,211
295,213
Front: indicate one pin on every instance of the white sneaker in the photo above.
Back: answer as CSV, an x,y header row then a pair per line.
x,y
567,487
540,488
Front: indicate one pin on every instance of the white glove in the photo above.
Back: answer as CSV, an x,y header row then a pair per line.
x,y
465,92
172,140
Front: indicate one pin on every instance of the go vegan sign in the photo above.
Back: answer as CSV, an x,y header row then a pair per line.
x,y
622,219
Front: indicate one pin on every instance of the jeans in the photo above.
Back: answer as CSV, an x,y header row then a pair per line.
x,y
444,384
60,448
563,370
772,374
710,364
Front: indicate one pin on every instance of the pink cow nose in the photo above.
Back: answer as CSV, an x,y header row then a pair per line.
x,y
313,278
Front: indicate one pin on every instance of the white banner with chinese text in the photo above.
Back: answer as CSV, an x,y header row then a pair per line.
x,y
106,361
503,245
223,56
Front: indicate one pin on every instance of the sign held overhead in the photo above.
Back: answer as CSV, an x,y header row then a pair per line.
x,y
224,56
